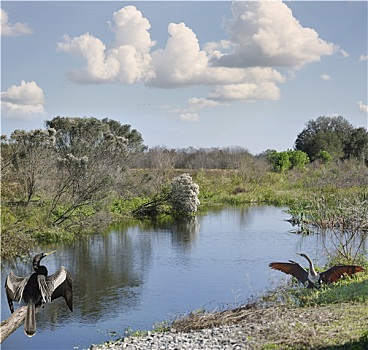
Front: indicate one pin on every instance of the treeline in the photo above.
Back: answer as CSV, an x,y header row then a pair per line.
x,y
323,140
191,158
78,160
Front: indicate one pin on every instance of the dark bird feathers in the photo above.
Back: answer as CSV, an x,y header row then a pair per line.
x,y
291,268
38,289
334,273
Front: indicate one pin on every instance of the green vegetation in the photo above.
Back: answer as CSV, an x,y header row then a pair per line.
x,y
57,183
81,174
282,161
336,136
342,218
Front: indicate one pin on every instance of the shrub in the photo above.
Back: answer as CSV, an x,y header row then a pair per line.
x,y
324,156
184,195
298,159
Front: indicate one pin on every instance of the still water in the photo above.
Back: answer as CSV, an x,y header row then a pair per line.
x,y
135,276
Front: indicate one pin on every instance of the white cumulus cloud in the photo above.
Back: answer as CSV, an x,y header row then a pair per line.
x,y
246,91
16,29
23,101
262,37
128,61
131,29
100,67
196,104
343,53
363,107
265,33
181,61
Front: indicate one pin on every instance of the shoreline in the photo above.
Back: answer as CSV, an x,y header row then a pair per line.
x,y
334,326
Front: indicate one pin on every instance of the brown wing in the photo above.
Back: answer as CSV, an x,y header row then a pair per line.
x,y
334,273
291,268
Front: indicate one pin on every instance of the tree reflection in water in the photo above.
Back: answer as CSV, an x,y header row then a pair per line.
x,y
109,270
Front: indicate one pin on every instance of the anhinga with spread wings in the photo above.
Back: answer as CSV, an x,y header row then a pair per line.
x,y
37,289
331,275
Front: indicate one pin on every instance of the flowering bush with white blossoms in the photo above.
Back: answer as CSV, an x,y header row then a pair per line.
x,y
184,195
71,161
180,198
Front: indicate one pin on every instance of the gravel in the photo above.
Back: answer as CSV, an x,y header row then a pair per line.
x,y
252,328
223,338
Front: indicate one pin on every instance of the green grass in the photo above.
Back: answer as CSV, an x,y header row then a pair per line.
x,y
354,289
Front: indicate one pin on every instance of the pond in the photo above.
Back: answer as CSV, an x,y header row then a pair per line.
x,y
136,276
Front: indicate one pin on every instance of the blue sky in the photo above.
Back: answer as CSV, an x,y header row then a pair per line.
x,y
200,74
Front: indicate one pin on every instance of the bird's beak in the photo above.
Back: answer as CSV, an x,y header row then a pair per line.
x,y
46,254
299,254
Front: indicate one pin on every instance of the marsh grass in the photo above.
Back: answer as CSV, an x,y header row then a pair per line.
x,y
342,219
334,186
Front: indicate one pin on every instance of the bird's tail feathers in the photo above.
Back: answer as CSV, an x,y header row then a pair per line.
x,y
30,321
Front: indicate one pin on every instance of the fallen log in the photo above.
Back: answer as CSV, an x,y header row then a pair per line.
x,y
12,323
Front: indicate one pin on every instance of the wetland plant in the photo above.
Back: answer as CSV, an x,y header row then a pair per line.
x,y
343,222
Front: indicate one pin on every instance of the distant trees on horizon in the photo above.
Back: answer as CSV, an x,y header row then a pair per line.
x,y
334,135
114,145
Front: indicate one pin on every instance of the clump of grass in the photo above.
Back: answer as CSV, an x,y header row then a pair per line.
x,y
353,290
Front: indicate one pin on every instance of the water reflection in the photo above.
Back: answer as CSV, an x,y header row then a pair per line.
x,y
184,231
108,272
147,272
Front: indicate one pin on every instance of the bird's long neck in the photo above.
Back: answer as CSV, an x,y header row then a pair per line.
x,y
312,271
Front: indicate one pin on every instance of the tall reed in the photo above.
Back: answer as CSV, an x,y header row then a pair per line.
x,y
343,220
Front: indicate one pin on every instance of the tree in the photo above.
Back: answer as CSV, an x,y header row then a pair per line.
x,y
330,134
29,154
285,160
280,161
92,154
78,135
162,160
357,145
